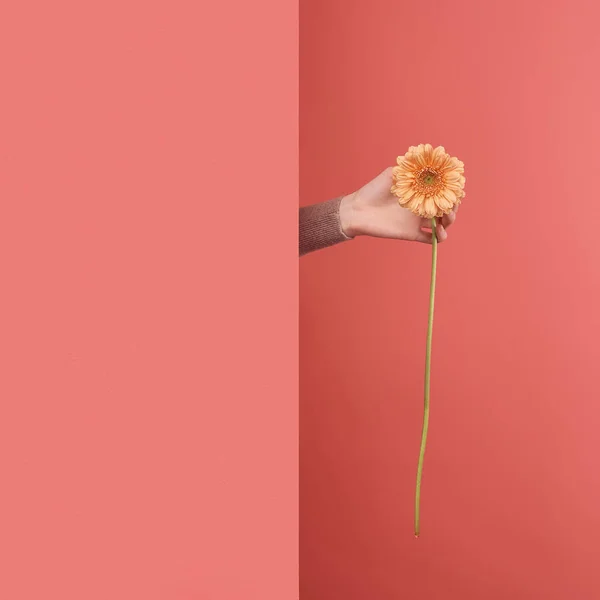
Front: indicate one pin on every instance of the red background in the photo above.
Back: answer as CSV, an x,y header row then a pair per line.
x,y
148,312
511,488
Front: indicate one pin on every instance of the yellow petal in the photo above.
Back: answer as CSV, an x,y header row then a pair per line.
x,y
455,186
430,207
444,203
438,157
420,156
403,200
414,206
452,176
450,196
428,153
405,191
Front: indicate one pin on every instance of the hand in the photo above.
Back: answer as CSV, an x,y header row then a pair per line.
x,y
374,210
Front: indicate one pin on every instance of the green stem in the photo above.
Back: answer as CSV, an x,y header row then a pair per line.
x,y
427,379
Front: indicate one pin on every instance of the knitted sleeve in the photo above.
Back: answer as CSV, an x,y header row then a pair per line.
x,y
320,226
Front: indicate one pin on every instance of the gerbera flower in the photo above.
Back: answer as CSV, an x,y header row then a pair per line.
x,y
429,182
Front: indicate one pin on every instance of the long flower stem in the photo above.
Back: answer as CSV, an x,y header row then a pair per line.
x,y
427,379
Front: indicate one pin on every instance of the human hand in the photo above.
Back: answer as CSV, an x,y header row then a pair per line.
x,y
374,211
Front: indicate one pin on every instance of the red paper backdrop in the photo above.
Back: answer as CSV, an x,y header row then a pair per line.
x,y
511,489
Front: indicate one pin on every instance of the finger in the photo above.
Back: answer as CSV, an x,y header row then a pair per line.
x,y
448,219
424,236
387,173
442,236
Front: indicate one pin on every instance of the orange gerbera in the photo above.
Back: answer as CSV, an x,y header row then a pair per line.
x,y
428,181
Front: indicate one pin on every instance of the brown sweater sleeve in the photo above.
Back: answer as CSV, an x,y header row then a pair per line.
x,y
320,226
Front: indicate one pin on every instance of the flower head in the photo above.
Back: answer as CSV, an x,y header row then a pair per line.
x,y
428,181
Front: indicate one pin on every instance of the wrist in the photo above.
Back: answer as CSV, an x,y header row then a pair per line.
x,y
348,220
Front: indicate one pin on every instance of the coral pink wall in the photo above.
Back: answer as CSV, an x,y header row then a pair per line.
x,y
511,489
148,300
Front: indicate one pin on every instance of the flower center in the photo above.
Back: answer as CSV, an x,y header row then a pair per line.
x,y
429,181
428,177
